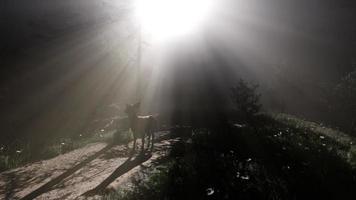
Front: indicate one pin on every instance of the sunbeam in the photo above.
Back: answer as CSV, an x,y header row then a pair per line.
x,y
177,99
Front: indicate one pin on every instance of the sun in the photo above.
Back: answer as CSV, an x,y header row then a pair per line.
x,y
167,19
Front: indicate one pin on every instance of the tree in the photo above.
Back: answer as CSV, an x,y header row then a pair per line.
x,y
344,101
246,99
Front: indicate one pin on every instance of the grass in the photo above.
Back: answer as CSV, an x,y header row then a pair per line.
x,y
272,158
317,128
149,185
20,153
346,144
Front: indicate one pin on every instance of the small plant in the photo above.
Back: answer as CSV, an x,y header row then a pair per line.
x,y
246,99
151,186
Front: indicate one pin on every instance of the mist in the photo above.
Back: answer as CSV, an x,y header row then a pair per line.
x,y
69,68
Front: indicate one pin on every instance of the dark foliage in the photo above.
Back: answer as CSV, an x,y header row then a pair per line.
x,y
343,102
245,99
272,161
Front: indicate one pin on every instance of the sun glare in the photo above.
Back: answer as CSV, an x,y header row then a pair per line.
x,y
167,19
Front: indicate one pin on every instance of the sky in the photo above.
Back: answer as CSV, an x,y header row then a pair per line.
x,y
65,62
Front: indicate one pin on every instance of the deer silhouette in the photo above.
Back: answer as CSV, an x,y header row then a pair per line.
x,y
141,126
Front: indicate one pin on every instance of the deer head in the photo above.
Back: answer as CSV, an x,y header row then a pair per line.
x,y
132,109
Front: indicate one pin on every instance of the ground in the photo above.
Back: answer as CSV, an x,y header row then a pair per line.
x,y
73,174
283,157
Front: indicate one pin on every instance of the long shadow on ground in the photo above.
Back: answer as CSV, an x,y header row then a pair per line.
x,y
125,167
47,187
122,169
107,152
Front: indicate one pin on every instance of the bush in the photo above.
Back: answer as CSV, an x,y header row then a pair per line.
x,y
342,103
246,99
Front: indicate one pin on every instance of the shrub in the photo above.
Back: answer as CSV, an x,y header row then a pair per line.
x,y
343,102
245,99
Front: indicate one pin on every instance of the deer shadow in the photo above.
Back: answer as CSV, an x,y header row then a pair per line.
x,y
121,170
48,186
108,152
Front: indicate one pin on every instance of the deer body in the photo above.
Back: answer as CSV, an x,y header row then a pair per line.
x,y
141,126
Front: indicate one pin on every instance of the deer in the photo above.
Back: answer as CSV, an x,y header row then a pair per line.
x,y
141,126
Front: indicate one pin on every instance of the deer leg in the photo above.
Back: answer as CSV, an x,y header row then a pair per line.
x,y
152,140
143,143
149,140
134,144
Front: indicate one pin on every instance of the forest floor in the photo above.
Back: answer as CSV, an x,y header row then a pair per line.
x,y
281,157
272,157
92,169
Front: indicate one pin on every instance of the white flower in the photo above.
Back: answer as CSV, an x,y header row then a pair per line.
x,y
209,191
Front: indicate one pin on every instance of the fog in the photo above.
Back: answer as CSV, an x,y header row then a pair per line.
x,y
65,64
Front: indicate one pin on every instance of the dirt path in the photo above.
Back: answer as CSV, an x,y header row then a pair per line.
x,y
86,171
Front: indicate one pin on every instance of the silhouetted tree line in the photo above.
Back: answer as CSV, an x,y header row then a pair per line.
x,y
207,108
245,99
340,103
